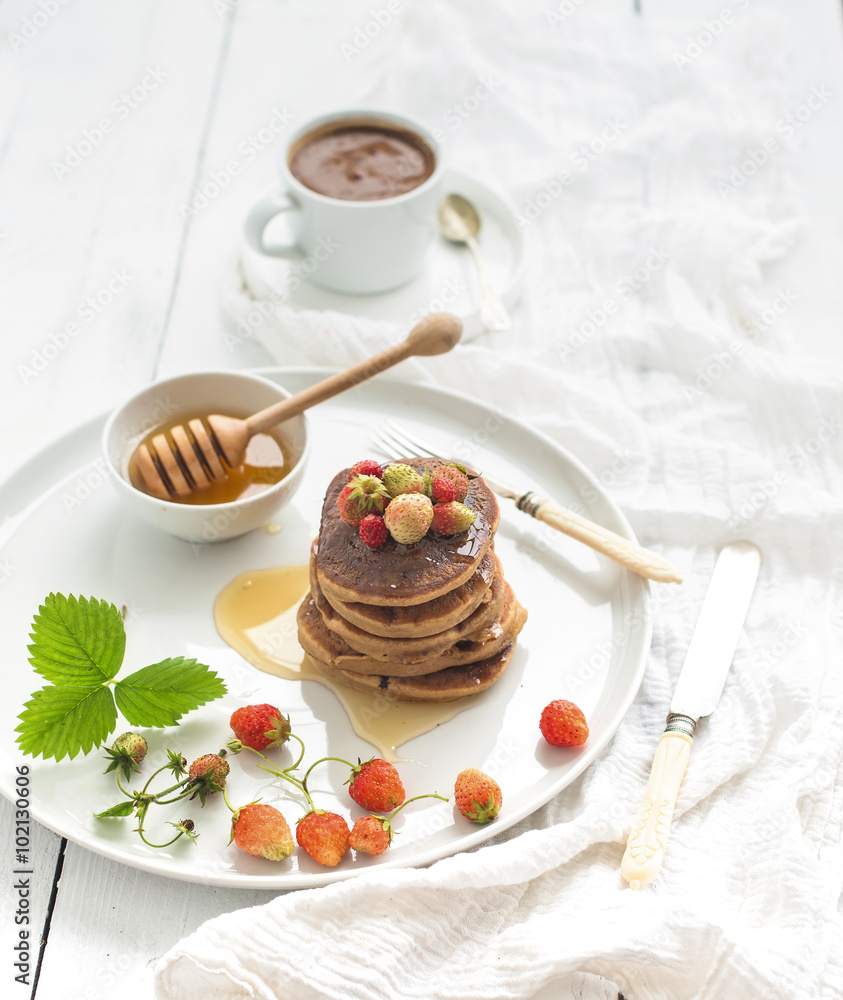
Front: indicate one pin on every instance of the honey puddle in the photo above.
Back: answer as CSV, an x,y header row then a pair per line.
x,y
256,615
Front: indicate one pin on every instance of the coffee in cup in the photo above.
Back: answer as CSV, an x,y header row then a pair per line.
x,y
361,161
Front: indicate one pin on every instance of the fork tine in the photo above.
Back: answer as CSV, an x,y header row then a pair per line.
x,y
384,443
404,440
392,445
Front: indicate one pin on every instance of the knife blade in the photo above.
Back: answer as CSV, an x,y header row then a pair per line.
x,y
701,682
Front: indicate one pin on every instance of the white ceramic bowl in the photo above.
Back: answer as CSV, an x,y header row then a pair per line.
x,y
211,392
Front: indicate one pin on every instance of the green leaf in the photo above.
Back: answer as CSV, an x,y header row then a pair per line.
x,y
77,641
60,721
160,694
121,809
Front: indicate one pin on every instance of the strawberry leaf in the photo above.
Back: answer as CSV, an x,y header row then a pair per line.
x,y
121,809
59,721
160,694
77,641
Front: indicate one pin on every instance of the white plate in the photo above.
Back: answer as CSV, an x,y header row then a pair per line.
x,y
587,639
448,282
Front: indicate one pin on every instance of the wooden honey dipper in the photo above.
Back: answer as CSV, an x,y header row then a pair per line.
x,y
201,452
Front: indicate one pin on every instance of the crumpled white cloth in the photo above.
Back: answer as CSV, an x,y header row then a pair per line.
x,y
651,342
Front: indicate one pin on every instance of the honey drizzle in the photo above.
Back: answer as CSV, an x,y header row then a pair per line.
x,y
256,615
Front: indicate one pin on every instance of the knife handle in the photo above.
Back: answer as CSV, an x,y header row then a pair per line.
x,y
648,837
622,550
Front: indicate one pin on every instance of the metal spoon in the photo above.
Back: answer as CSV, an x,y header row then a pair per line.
x,y
460,223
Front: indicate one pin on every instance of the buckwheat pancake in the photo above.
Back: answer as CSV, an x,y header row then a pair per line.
x,y
421,648
395,574
327,647
448,684
394,621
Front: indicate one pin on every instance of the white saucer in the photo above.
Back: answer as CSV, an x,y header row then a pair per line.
x,y
447,284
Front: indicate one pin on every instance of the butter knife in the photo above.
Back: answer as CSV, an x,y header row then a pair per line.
x,y
697,693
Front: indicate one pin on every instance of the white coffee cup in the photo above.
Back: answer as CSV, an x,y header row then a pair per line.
x,y
353,247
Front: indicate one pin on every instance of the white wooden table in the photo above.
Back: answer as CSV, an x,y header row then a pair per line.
x,y
113,118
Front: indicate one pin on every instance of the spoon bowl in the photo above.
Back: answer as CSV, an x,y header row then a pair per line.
x,y
458,219
459,222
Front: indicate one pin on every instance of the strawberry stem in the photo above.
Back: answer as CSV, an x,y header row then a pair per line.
x,y
293,767
142,810
322,761
270,768
415,798
166,844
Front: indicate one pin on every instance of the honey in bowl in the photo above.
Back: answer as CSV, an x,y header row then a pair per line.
x,y
268,460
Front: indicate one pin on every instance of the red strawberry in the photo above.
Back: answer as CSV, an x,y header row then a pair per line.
x,y
207,775
368,467
370,835
399,478
373,530
452,518
442,490
376,785
324,836
260,726
563,724
478,797
408,517
262,830
362,495
456,475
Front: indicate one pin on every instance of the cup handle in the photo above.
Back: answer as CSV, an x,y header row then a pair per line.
x,y
259,217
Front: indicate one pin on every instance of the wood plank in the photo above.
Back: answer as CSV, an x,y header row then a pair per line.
x,y
27,891
102,118
111,924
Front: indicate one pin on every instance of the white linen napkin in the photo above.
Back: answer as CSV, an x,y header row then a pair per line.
x,y
651,343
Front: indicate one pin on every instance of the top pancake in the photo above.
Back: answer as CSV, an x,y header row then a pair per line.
x,y
396,574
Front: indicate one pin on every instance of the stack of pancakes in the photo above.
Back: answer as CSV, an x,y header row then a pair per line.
x,y
431,621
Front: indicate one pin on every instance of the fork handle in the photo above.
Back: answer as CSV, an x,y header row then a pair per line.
x,y
635,557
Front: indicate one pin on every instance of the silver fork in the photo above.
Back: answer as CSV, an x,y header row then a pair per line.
x,y
395,442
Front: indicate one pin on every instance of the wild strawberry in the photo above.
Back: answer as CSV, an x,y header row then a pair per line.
x,y
376,785
207,775
399,478
362,495
478,797
370,835
368,467
373,530
126,753
373,834
454,474
261,830
408,517
452,518
324,836
260,727
563,724
209,764
442,490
